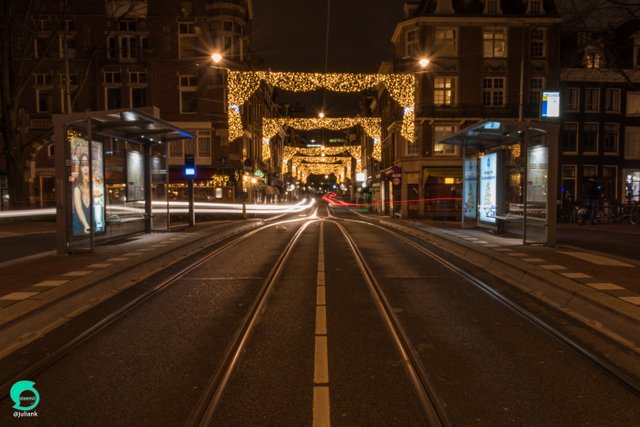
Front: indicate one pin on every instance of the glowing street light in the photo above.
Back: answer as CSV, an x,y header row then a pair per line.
x,y
321,114
216,57
423,62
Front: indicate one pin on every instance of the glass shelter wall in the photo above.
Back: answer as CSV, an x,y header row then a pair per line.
x,y
508,178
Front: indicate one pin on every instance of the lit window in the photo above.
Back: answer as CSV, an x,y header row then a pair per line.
x,y
494,43
439,134
444,91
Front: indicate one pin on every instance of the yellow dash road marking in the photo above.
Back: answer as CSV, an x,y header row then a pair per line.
x,y
321,320
321,365
321,412
321,296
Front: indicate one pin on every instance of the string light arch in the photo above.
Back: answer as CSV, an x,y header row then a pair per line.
x,y
242,84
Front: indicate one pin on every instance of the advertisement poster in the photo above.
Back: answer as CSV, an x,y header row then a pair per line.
x,y
82,188
488,165
469,188
135,176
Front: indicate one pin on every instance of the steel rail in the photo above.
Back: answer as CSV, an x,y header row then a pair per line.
x,y
204,411
614,371
433,406
61,351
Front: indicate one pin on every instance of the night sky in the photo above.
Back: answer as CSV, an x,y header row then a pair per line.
x,y
289,35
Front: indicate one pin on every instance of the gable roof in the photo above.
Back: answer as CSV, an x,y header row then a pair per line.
x,y
475,7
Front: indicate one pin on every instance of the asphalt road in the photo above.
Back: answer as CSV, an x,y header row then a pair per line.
x,y
489,365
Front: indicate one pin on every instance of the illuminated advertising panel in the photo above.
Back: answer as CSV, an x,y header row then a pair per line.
x,y
135,176
550,104
83,187
469,188
488,166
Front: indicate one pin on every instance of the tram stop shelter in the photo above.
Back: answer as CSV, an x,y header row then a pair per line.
x,y
510,178
111,175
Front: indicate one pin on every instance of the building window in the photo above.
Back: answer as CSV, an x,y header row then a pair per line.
x,y
412,148
44,79
633,103
113,98
187,39
40,47
175,149
188,86
589,171
439,134
569,182
612,99
127,26
138,97
204,143
492,7
632,142
138,77
535,91
593,59
590,138
112,77
128,48
494,43
51,150
569,138
572,99
610,173
445,44
592,99
411,43
538,43
610,140
493,92
444,91
535,7
44,100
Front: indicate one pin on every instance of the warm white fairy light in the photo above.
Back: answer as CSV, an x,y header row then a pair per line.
x,y
242,84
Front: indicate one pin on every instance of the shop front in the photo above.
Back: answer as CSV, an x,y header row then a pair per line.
x,y
508,178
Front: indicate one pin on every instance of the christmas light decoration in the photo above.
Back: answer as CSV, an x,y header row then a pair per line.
x,y
242,84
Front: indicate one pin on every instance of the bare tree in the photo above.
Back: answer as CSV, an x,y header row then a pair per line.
x,y
599,23
21,36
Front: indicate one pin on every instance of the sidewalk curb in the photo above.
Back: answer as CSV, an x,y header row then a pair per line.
x,y
24,322
616,319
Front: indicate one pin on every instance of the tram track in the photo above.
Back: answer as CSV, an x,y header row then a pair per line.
x,y
612,370
85,335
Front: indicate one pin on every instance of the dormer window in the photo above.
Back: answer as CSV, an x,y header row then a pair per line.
x,y
492,7
592,58
444,7
535,7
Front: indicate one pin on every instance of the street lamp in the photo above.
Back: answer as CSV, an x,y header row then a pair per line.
x,y
423,62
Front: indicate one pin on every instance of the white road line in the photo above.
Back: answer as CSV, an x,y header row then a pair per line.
x,y
118,259
596,259
99,265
